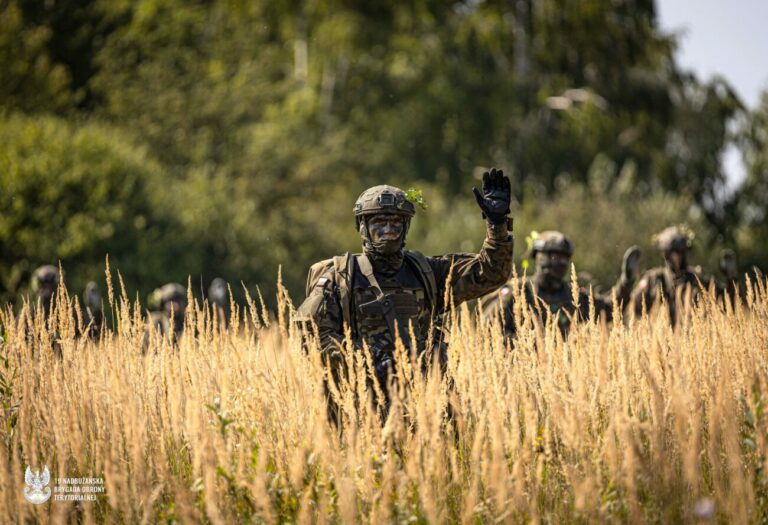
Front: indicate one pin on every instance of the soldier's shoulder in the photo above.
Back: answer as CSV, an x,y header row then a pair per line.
x,y
697,270
650,278
324,273
335,263
654,273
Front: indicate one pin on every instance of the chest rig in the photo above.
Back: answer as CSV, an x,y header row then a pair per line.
x,y
554,303
384,305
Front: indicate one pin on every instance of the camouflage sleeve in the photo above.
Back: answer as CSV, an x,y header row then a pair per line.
x,y
322,307
725,290
474,275
643,292
604,303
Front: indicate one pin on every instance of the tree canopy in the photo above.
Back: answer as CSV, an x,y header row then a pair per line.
x,y
238,133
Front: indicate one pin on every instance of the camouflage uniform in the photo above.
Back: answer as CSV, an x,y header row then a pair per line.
x,y
170,300
93,315
676,277
45,281
387,289
218,296
548,293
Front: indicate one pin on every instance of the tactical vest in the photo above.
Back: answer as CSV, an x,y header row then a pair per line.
x,y
545,304
412,290
408,295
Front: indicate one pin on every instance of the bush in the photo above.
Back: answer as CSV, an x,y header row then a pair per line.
x,y
75,192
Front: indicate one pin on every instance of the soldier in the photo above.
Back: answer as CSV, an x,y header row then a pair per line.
x,y
92,314
548,292
676,276
170,302
45,281
387,289
218,295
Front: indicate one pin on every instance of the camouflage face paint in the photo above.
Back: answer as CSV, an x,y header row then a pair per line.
x,y
676,259
386,233
385,227
553,264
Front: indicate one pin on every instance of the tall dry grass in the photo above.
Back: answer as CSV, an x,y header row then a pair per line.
x,y
633,424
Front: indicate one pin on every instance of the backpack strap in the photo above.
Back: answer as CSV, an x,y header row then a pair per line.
x,y
421,264
342,273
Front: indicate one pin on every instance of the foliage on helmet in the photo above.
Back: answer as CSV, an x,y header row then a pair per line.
x,y
416,197
384,199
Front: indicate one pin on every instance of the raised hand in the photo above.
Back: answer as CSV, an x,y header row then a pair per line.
x,y
630,264
495,197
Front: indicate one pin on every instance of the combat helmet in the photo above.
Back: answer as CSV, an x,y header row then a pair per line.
x,y
674,238
167,293
552,241
45,275
382,199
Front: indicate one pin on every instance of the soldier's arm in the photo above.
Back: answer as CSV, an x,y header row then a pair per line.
x,y
474,275
621,292
322,307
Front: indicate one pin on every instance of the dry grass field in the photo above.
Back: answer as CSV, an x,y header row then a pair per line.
x,y
632,423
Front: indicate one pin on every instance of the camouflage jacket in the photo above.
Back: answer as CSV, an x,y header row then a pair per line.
x,y
162,322
559,303
339,294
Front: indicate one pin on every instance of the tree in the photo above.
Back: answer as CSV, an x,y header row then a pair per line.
x,y
75,193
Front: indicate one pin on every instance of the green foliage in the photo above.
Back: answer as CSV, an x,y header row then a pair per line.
x,y
9,399
29,81
75,193
753,196
258,123
416,197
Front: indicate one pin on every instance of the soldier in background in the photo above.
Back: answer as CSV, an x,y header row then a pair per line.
x,y
387,290
676,277
549,293
218,295
45,281
93,315
170,304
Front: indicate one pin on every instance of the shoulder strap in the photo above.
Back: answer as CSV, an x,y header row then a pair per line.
x,y
342,274
427,274
384,302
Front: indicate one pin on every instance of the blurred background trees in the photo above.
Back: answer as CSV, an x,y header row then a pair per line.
x,y
226,137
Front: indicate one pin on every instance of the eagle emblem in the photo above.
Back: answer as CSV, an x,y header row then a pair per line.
x,y
37,490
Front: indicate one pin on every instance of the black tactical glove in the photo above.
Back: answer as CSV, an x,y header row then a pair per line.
x,y
630,264
383,361
495,198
